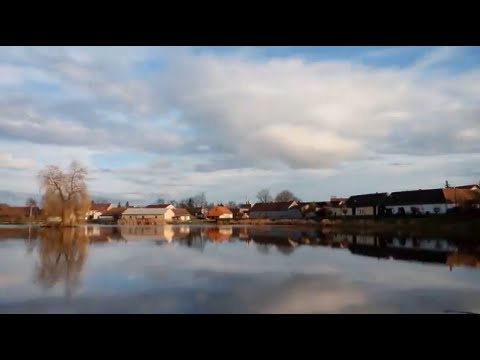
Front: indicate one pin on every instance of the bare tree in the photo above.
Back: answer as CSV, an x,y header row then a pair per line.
x,y
264,196
65,192
232,205
160,201
196,201
286,195
199,200
31,202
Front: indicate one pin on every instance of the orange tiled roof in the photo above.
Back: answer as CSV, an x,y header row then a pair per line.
x,y
218,211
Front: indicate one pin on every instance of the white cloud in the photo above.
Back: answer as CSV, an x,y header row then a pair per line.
x,y
8,161
314,114
214,115
18,75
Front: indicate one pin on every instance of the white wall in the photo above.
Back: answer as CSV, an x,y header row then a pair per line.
x,y
226,216
183,218
336,211
361,211
169,214
95,214
422,208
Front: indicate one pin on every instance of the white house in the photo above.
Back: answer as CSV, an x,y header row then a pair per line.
x,y
147,216
219,212
430,201
275,210
365,205
181,215
97,209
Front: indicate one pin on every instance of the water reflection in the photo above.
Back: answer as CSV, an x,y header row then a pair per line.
x,y
233,269
59,247
62,254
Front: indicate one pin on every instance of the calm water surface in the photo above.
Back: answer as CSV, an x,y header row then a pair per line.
x,y
233,269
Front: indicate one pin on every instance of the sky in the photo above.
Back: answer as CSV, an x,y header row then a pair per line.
x,y
171,122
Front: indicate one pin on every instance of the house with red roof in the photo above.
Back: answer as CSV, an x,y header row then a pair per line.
x,y
474,187
18,214
219,212
97,209
181,215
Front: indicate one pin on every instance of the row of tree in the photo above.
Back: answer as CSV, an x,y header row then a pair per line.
x,y
200,200
264,196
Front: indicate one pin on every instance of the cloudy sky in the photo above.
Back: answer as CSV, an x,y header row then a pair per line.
x,y
228,121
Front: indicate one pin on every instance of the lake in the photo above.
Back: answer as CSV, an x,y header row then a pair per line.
x,y
233,269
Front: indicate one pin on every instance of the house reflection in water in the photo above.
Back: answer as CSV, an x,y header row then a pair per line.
x,y
459,259
158,233
62,253
220,234
402,248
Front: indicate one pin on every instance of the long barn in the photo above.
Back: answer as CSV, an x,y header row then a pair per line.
x,y
147,216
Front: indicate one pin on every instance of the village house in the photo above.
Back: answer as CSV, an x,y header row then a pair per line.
x,y
146,216
219,212
474,187
19,214
97,209
313,208
198,212
430,201
462,198
236,213
366,205
337,201
181,215
275,210
112,216
336,207
244,209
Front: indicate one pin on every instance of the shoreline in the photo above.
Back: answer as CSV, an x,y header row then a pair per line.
x,y
438,223
431,224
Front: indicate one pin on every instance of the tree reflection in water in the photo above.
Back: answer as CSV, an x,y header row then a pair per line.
x,y
62,253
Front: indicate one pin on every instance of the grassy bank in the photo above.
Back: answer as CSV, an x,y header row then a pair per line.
x,y
426,225
298,222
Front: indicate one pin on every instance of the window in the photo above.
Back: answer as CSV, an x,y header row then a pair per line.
x,y
143,217
155,216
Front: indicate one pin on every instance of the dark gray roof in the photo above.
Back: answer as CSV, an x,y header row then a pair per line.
x,y
416,197
375,199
